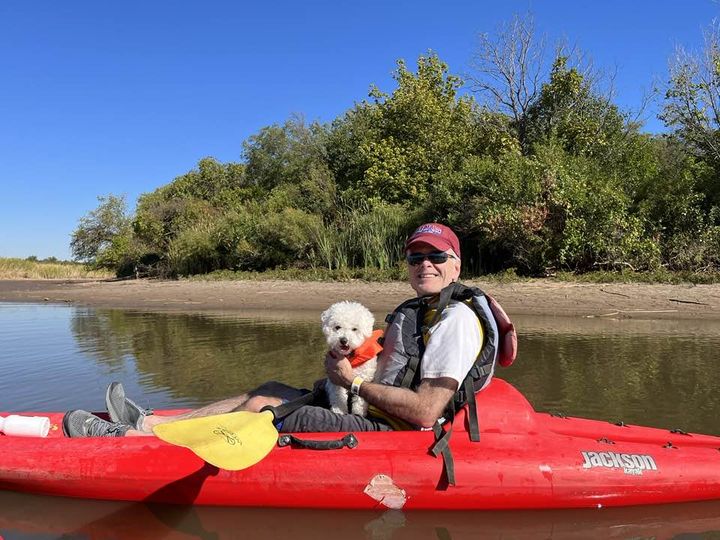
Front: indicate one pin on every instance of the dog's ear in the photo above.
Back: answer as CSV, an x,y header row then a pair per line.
x,y
325,316
369,319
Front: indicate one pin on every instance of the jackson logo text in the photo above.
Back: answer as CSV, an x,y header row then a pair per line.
x,y
629,463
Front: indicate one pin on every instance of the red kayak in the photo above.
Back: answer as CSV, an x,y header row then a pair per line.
x,y
524,460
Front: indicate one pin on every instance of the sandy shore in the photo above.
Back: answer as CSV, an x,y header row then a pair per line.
x,y
303,299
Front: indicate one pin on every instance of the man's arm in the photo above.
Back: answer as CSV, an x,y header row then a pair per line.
x,y
422,407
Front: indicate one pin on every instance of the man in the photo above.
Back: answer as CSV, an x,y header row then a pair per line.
x,y
413,389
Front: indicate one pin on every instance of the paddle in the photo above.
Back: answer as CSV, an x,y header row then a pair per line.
x,y
231,441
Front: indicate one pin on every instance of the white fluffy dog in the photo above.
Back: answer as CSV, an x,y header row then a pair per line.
x,y
347,325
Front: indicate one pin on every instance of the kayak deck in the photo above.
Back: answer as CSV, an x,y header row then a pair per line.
x,y
524,460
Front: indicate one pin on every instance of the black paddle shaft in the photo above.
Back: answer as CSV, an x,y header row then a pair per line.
x,y
281,411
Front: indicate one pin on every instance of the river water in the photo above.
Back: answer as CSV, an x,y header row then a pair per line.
x,y
658,373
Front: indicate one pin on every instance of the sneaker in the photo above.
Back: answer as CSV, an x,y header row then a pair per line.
x,y
123,409
84,424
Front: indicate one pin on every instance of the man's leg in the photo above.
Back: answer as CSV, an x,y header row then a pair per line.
x,y
311,418
271,393
84,424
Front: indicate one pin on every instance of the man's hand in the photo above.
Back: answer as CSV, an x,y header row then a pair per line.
x,y
338,370
422,407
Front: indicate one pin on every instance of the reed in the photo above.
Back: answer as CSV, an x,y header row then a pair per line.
x,y
11,268
377,235
330,251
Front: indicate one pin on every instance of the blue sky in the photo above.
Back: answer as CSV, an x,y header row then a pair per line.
x,y
122,97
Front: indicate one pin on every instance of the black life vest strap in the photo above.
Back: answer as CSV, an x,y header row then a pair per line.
x,y
473,422
476,374
442,437
411,371
443,302
442,447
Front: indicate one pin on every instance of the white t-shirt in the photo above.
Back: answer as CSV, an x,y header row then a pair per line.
x,y
453,345
451,349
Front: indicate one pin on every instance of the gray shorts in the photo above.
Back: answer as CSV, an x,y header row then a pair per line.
x,y
310,418
318,416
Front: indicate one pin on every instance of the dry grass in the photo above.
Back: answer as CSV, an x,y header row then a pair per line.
x,y
24,269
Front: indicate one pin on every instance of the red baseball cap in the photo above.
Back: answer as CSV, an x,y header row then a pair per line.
x,y
436,235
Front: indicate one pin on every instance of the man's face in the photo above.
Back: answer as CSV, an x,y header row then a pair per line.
x,y
428,278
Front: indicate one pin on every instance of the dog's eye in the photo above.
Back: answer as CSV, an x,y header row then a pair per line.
x,y
337,327
354,329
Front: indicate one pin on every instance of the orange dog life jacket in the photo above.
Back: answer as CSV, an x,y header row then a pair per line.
x,y
368,350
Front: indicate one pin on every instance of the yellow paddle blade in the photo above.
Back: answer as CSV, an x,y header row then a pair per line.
x,y
231,441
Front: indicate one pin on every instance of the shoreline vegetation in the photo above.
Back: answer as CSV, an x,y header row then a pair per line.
x,y
15,268
660,276
529,158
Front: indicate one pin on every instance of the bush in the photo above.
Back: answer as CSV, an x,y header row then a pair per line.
x,y
375,235
195,250
496,204
694,252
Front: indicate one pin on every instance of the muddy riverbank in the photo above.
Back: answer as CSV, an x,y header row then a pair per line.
x,y
301,299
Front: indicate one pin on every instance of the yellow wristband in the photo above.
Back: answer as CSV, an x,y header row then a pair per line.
x,y
355,386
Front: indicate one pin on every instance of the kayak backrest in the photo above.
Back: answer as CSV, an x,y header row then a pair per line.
x,y
501,408
507,347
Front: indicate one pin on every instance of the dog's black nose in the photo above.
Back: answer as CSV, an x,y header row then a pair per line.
x,y
343,341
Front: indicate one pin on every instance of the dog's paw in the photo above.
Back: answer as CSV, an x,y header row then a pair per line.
x,y
337,410
359,407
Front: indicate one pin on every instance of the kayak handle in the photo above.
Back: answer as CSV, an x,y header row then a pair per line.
x,y
348,440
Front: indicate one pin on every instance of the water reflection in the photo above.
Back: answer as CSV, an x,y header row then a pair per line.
x,y
659,380
203,358
72,519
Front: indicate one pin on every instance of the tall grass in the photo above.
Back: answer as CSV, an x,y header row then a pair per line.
x,y
377,235
364,236
24,269
330,250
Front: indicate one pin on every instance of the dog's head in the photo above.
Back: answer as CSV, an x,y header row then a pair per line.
x,y
346,326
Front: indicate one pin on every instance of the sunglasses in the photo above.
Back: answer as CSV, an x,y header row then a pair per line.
x,y
437,257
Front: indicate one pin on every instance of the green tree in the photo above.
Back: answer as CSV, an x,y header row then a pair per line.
x,y
496,203
289,163
171,224
569,111
692,107
668,196
221,184
160,217
97,230
346,136
417,131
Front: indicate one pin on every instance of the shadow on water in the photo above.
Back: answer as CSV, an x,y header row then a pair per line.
x,y
99,520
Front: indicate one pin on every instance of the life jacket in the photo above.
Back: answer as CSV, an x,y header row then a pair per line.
x,y
404,345
369,349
